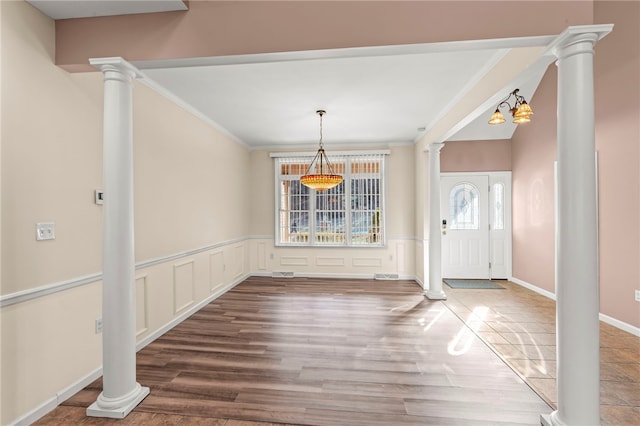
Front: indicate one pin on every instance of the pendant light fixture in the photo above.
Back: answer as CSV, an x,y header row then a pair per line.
x,y
320,175
521,111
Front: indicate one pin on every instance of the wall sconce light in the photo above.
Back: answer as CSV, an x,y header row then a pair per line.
x,y
521,111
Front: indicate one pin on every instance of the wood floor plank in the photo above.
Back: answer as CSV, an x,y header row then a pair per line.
x,y
326,352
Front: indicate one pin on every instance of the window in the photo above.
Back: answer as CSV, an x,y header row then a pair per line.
x,y
350,214
463,207
498,206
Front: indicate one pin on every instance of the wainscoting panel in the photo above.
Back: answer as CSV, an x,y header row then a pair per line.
x,y
401,258
366,261
398,256
142,311
294,261
239,260
330,261
183,285
216,270
262,256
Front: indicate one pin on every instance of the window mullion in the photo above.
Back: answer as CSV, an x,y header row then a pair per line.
x,y
312,217
347,202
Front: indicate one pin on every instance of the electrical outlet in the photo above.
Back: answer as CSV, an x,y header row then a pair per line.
x,y
637,295
99,326
45,231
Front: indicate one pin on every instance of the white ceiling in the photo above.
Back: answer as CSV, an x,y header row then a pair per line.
x,y
373,96
64,9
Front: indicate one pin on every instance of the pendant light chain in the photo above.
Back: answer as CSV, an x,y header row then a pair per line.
x,y
321,113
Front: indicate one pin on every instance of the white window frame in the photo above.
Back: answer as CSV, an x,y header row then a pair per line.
x,y
335,158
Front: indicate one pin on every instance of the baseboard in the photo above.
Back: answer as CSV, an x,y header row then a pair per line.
x,y
621,325
53,402
604,318
387,277
532,287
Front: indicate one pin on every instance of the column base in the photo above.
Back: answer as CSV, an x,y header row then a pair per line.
x,y
117,408
436,295
551,419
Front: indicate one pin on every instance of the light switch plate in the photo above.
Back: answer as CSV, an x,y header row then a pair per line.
x,y
45,231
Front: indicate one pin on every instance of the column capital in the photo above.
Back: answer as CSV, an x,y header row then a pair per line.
x,y
116,64
434,147
576,34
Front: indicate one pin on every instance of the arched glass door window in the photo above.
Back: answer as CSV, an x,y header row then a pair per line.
x,y
463,207
498,206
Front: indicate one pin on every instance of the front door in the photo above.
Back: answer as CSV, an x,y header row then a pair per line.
x,y
476,240
464,207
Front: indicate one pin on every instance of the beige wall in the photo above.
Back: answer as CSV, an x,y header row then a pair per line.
x,y
51,159
617,85
191,216
190,186
476,156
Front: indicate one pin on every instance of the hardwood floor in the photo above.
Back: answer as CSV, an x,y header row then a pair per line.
x,y
331,352
519,326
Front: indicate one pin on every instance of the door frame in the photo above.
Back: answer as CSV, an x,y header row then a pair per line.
x,y
494,177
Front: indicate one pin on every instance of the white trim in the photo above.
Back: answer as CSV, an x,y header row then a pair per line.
x,y
348,52
601,30
533,288
620,324
53,402
604,318
335,276
45,290
285,154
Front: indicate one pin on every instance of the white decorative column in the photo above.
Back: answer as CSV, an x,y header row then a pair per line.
x,y
435,291
577,296
121,393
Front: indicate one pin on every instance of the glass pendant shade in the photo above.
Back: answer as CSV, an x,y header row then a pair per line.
x,y
318,179
321,182
497,117
524,110
523,119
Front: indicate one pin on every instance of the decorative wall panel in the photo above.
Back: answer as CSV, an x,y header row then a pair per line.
x,y
216,270
183,285
400,258
366,261
142,312
238,252
262,256
294,261
330,261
